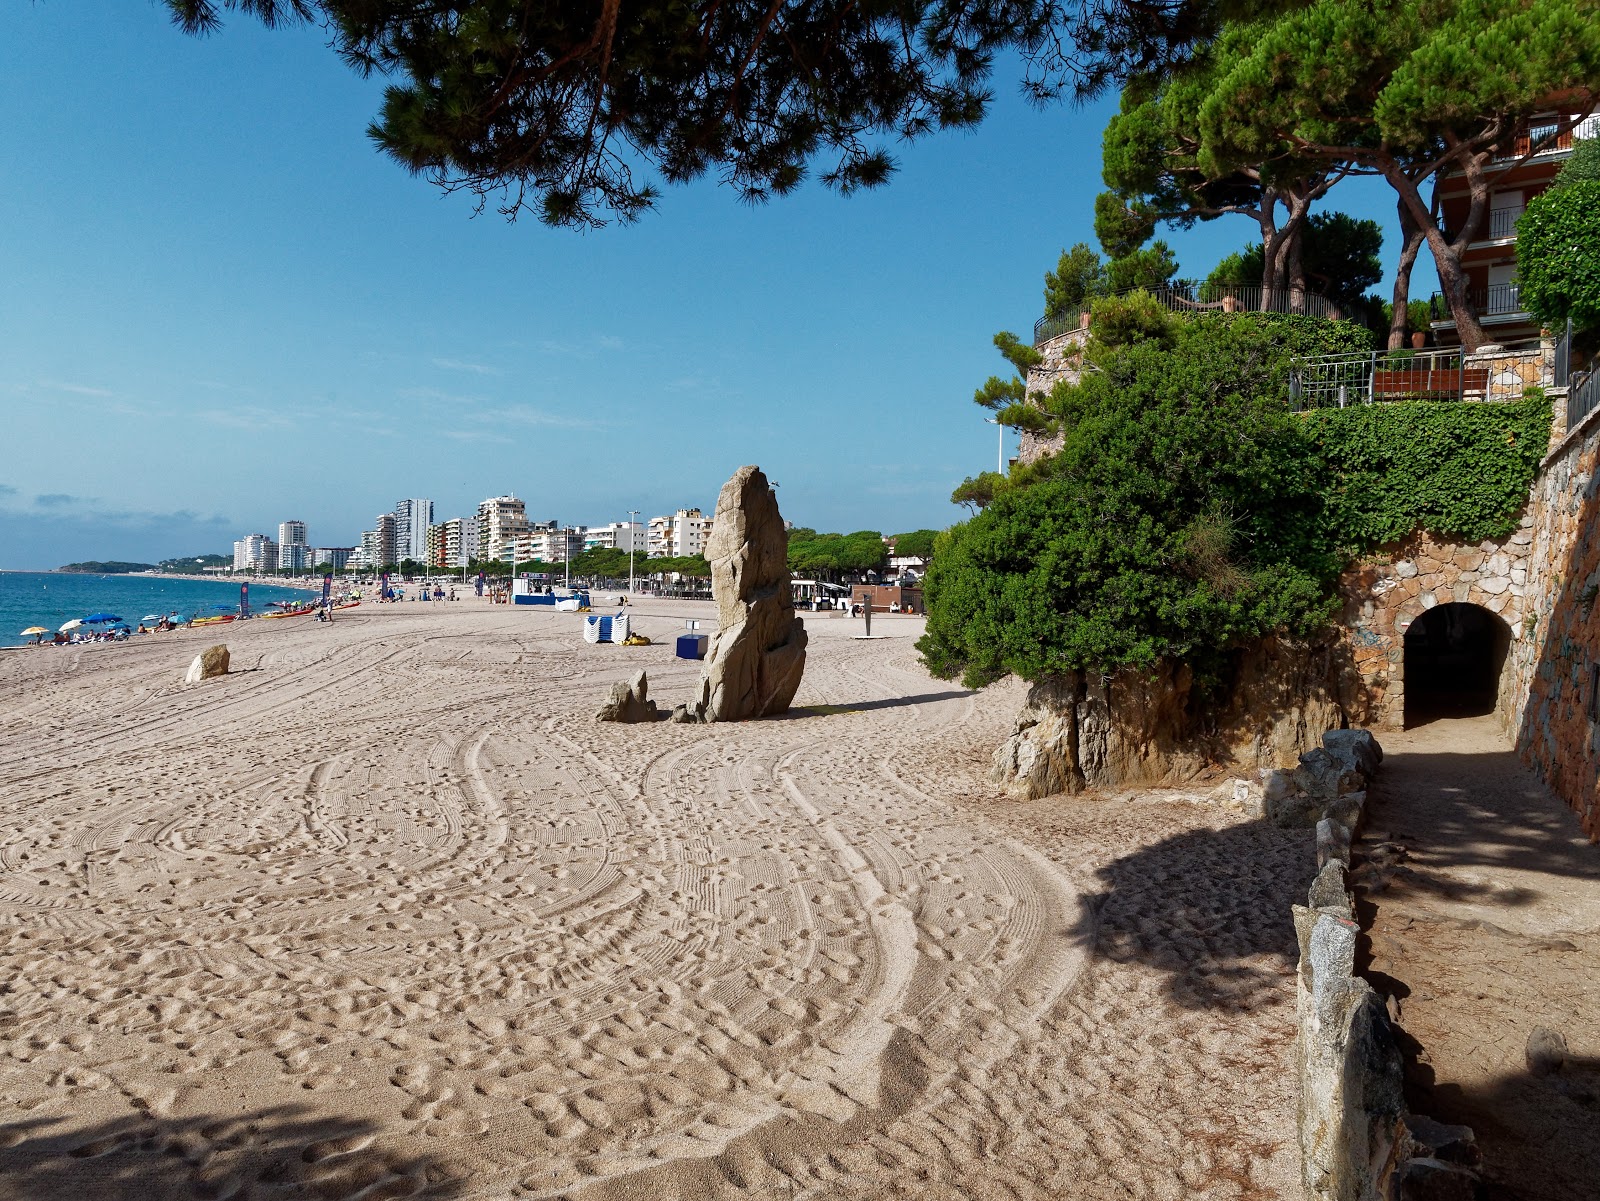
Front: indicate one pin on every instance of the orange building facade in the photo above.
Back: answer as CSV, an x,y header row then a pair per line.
x,y
1490,260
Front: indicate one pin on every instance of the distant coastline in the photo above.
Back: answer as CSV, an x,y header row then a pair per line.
x,y
309,584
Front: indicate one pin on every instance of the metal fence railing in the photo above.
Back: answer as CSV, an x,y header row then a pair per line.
x,y
1562,373
1203,296
1583,396
1335,381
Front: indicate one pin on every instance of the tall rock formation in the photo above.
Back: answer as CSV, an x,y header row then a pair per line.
x,y
755,661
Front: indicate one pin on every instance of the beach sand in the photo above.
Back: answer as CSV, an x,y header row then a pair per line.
x,y
385,913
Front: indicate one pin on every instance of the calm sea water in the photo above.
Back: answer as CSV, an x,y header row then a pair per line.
x,y
39,598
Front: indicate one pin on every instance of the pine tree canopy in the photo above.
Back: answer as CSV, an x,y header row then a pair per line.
x,y
566,108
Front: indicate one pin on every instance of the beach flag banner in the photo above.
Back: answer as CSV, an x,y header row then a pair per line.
x,y
383,586
327,587
244,600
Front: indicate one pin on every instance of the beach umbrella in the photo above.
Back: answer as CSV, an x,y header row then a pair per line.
x,y
96,618
151,617
35,630
72,625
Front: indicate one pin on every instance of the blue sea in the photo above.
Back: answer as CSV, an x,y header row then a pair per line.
x,y
46,598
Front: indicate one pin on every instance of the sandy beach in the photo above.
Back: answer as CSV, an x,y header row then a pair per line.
x,y
385,913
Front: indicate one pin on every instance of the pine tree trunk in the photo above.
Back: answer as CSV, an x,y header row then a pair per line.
x,y
1290,284
1270,243
1297,272
1453,280
1411,245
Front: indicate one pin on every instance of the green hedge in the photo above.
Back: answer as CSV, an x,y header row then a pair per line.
x,y
1458,470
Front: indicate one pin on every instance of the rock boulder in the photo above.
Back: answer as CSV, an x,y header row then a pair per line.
x,y
629,701
754,663
211,662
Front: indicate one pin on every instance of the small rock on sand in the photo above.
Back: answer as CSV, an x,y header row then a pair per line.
x,y
213,661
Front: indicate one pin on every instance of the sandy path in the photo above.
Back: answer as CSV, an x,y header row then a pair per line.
x,y
1484,898
385,913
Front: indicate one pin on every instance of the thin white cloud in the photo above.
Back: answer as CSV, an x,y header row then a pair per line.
x,y
74,389
444,397
242,417
473,368
528,415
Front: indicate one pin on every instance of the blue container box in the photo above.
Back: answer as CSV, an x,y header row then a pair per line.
x,y
692,646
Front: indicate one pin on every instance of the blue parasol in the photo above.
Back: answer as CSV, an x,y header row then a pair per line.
x,y
95,618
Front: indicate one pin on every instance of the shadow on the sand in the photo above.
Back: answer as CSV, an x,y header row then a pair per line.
x,y
1536,1132
1210,908
288,1151
1481,812
801,712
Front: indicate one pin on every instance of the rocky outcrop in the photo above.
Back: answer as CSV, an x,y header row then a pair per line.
x,y
756,659
1079,731
629,701
209,663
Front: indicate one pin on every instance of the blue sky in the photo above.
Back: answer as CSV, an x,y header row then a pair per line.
x,y
223,308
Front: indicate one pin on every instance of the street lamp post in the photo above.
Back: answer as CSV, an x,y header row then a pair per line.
x,y
1000,451
632,533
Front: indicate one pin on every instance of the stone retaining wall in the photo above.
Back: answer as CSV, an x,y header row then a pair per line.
x,y
1556,670
1513,372
1357,1142
1062,360
1389,589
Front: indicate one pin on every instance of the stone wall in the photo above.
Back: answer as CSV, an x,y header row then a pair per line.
x,y
1062,360
1358,1142
1389,589
1513,372
1557,669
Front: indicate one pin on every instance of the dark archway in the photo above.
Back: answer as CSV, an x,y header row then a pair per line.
x,y
1455,655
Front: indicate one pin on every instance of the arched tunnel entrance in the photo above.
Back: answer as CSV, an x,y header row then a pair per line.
x,y
1454,657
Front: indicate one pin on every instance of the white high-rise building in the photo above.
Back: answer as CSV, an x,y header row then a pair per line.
x,y
292,533
411,521
453,543
619,535
255,552
550,543
501,519
682,534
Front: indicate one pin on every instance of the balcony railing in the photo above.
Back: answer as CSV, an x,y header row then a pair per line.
x,y
1497,300
1336,381
1539,138
1503,222
1202,296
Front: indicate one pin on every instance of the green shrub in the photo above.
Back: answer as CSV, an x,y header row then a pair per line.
x,y
1188,512
1558,255
1179,518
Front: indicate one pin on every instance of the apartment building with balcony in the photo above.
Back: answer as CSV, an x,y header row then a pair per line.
x,y
679,535
412,519
451,544
255,552
618,535
501,520
1525,169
